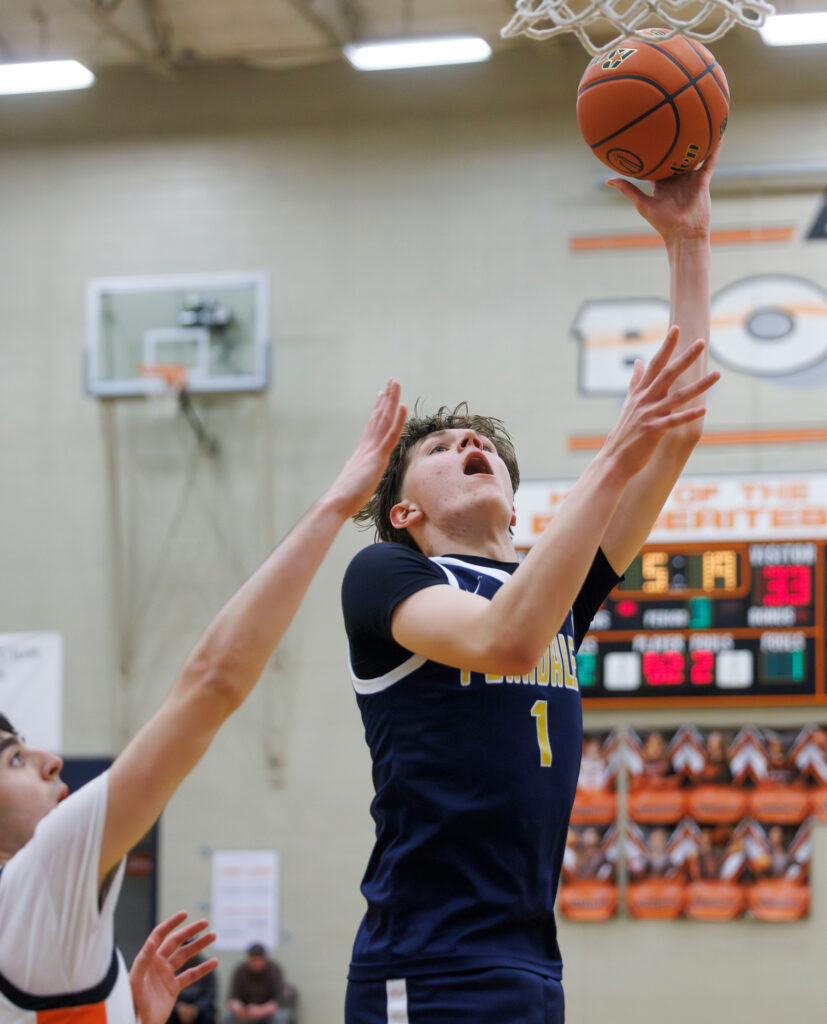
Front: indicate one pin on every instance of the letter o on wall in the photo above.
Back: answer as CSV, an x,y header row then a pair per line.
x,y
770,325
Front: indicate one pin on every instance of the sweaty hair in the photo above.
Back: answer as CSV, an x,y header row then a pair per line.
x,y
6,726
419,426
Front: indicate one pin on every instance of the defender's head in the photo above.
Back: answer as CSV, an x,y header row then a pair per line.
x,y
30,788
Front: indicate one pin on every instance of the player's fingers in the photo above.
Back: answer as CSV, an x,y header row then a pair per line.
x,y
177,938
193,974
632,192
386,404
637,373
711,161
673,369
661,358
680,396
395,429
684,416
188,951
160,932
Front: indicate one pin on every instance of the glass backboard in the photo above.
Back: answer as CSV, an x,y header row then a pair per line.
x,y
214,325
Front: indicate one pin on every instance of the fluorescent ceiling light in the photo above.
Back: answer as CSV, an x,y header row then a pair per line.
x,y
44,76
417,53
795,29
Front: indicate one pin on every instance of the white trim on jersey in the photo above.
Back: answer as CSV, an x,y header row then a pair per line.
x,y
397,991
445,560
368,686
365,687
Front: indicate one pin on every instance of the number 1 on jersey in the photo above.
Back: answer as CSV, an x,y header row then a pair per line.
x,y
539,710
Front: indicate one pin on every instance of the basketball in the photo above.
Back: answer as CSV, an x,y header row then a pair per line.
x,y
653,108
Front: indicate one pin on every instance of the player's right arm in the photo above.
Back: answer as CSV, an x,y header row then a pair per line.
x,y
510,633
231,655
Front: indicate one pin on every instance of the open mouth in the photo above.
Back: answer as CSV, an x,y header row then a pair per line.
x,y
476,463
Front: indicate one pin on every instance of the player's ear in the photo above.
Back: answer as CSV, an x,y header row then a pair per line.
x,y
513,515
405,514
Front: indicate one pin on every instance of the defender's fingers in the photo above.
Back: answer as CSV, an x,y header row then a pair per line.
x,y
188,951
160,932
193,974
181,935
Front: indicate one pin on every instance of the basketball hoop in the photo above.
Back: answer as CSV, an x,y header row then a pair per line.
x,y
699,19
172,378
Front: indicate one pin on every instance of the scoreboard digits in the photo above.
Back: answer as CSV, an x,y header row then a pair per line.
x,y
741,621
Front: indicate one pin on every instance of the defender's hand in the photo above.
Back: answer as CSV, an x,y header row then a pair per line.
x,y
363,470
153,979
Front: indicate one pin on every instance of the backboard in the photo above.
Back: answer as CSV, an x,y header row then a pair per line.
x,y
215,325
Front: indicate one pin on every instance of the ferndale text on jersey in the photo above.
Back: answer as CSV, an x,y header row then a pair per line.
x,y
557,667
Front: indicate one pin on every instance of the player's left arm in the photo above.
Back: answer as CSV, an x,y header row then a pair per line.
x,y
679,209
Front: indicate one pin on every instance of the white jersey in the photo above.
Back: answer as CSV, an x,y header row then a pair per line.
x,y
58,961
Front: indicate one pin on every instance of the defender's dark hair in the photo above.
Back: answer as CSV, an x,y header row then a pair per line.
x,y
419,426
6,726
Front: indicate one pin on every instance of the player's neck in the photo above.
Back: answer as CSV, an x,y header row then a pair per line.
x,y
495,546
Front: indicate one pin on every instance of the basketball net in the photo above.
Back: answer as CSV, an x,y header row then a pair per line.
x,y
700,19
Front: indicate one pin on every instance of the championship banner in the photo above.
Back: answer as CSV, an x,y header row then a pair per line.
x,y
719,508
31,686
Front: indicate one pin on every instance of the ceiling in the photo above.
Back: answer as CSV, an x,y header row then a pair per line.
x,y
175,34
166,35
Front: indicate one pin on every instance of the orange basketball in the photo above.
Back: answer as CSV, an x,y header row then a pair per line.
x,y
653,107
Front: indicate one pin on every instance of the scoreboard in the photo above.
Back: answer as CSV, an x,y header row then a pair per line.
x,y
726,603
741,621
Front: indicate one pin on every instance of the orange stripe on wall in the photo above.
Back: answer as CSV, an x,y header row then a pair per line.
x,y
94,1013
721,438
733,236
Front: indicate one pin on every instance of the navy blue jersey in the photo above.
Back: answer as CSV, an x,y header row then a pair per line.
x,y
474,777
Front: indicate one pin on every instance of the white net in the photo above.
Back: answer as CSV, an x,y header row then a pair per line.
x,y
592,21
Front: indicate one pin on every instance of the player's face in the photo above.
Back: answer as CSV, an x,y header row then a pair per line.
x,y
30,787
452,471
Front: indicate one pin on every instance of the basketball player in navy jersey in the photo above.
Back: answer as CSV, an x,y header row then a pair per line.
x,y
464,668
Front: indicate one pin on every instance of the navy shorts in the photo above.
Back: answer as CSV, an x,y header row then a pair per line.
x,y
498,995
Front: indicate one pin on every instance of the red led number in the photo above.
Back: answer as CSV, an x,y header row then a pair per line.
x,y
787,585
663,668
702,672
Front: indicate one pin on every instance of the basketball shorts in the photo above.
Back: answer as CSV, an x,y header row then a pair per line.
x,y
499,995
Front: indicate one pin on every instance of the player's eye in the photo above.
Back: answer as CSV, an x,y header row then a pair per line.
x,y
438,448
17,758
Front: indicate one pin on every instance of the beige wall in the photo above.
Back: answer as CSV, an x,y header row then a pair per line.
x,y
414,225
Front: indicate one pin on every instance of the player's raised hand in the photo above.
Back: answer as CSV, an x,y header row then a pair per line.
x,y
155,979
679,207
653,406
363,470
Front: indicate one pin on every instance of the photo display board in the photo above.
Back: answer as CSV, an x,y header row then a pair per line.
x,y
725,604
717,823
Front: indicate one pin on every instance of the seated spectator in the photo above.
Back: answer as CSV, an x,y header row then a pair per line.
x,y
258,991
196,1003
